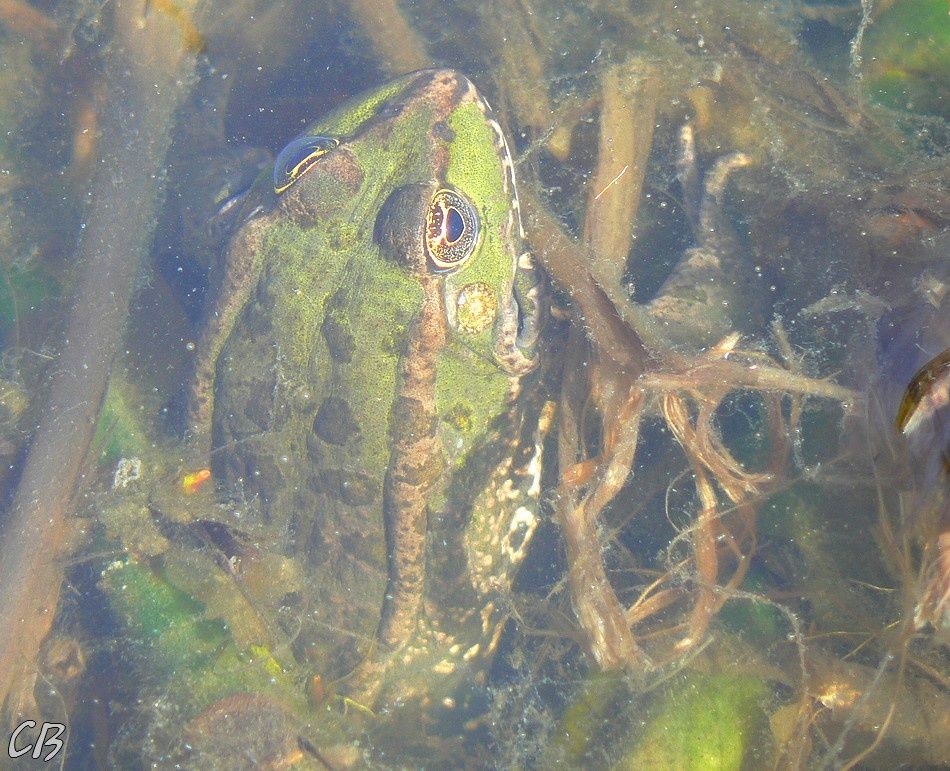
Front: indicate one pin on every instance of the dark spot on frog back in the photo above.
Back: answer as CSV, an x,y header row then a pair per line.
x,y
354,488
442,131
339,338
411,418
258,318
334,422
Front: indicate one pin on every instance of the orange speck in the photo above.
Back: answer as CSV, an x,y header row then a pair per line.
x,y
192,40
318,690
192,482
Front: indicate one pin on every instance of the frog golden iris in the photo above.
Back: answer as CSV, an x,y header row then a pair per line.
x,y
451,232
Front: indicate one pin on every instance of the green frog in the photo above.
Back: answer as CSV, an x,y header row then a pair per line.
x,y
356,384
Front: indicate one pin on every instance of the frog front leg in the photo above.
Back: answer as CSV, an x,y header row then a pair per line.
x,y
242,271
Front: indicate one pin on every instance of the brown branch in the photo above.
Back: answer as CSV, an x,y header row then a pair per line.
x,y
145,68
627,117
598,610
22,18
395,43
567,263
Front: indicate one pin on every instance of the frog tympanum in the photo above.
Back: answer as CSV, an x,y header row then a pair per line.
x,y
357,376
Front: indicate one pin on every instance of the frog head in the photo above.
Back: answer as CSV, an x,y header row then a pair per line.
x,y
427,156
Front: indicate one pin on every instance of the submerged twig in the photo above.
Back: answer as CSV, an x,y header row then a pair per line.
x,y
599,612
519,66
23,19
564,261
627,117
630,365
395,43
145,66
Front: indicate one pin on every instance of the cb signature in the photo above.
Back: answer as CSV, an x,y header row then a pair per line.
x,y
48,737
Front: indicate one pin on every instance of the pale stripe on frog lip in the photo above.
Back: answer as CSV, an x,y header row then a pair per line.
x,y
504,153
508,350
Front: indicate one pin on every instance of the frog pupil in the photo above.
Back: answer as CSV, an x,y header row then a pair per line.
x,y
455,225
451,232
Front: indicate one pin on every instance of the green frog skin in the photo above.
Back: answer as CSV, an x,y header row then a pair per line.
x,y
357,379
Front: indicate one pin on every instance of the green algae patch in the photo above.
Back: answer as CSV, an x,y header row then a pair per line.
x,y
120,431
906,57
154,612
704,724
601,702
756,621
179,648
811,528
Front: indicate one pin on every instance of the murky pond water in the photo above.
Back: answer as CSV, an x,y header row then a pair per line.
x,y
510,384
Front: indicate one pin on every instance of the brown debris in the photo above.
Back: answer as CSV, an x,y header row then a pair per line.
x,y
624,367
20,17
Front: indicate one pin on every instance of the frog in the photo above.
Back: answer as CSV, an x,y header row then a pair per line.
x,y
358,385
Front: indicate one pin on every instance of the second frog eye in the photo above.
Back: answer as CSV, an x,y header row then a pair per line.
x,y
451,232
297,158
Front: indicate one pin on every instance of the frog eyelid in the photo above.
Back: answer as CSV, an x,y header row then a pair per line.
x,y
451,229
297,158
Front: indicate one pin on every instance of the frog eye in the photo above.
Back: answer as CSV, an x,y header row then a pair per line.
x,y
451,233
297,158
